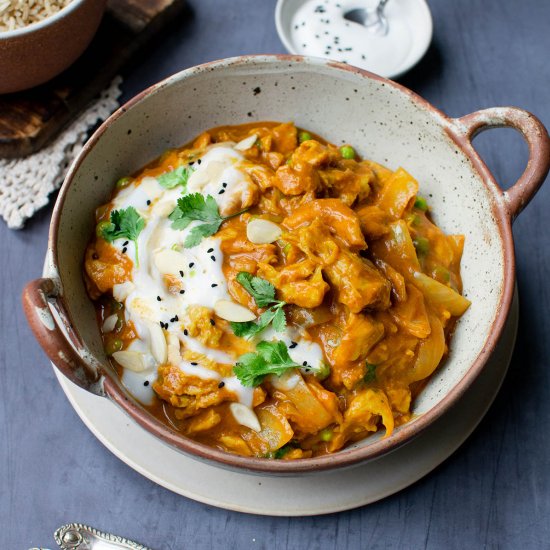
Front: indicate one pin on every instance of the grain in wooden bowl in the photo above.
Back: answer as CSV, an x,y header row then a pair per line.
x,y
41,38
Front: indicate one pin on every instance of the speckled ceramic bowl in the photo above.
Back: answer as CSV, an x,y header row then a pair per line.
x,y
35,54
385,122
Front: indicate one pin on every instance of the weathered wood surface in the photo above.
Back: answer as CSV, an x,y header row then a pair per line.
x,y
493,493
29,119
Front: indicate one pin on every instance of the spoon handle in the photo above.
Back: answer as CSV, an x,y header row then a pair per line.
x,y
75,536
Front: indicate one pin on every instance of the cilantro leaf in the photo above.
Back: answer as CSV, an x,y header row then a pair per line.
x,y
196,207
275,353
270,358
263,293
261,290
176,177
197,233
370,375
124,224
279,319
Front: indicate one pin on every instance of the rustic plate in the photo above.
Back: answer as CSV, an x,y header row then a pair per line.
x,y
306,495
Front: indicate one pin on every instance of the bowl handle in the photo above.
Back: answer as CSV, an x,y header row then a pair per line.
x,y
533,131
38,296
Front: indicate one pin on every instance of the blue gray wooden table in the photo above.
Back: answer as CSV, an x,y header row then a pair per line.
x,y
494,492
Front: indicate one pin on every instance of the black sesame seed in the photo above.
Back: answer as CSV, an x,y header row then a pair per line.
x,y
304,363
293,344
214,285
182,291
148,202
185,332
161,324
191,264
224,184
213,258
194,364
124,250
210,250
172,319
212,322
125,243
199,161
176,318
221,384
146,383
307,370
221,191
191,163
181,273
159,299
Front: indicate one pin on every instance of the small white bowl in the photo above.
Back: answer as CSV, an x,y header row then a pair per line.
x,y
389,56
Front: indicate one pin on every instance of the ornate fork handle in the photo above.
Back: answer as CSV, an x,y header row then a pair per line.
x,y
75,536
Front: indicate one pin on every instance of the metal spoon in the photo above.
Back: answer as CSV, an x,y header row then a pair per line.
x,y
76,536
373,19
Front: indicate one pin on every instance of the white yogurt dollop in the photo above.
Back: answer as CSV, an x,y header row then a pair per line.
x,y
147,299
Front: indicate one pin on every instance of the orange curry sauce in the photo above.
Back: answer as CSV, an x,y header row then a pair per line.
x,y
364,271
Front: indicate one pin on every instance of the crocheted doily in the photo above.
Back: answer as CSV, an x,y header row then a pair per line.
x,y
26,183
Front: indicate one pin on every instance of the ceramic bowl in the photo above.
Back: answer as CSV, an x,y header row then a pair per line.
x,y
385,122
32,55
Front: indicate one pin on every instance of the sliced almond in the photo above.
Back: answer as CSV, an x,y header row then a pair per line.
x,y
231,311
110,323
211,172
260,231
131,360
121,291
170,262
159,349
286,381
245,416
246,143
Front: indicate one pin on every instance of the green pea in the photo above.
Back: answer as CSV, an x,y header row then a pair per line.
x,y
422,245
421,203
100,227
326,434
347,152
123,182
113,345
304,136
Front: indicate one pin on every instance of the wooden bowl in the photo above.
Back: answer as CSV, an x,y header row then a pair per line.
x,y
34,54
385,122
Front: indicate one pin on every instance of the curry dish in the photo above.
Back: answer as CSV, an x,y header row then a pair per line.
x,y
272,295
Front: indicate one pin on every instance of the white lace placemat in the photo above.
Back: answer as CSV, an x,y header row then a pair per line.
x,y
26,183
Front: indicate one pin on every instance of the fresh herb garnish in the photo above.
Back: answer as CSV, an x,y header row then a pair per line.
x,y
269,358
196,207
370,375
263,293
124,224
179,176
